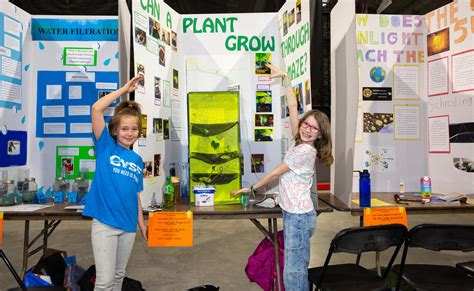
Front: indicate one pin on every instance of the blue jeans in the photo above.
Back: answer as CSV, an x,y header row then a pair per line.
x,y
297,232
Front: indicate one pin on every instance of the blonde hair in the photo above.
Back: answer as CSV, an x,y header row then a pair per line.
x,y
124,108
323,144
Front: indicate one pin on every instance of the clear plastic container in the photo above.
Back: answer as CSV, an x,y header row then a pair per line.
x,y
81,186
7,193
28,190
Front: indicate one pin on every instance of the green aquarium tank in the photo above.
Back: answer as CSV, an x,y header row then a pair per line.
x,y
214,143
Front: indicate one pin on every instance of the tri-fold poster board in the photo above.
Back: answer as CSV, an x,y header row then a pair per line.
x,y
54,69
415,114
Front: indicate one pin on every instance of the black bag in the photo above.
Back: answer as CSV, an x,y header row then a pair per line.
x,y
87,281
131,285
52,264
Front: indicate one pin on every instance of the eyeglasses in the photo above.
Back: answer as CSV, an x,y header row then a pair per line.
x,y
313,129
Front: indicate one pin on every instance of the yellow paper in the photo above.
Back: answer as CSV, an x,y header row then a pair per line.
x,y
374,202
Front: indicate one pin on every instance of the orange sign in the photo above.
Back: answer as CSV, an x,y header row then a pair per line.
x,y
170,229
385,215
1,227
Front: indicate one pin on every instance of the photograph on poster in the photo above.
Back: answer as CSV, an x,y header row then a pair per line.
x,y
162,55
438,42
378,122
174,41
166,129
464,164
257,163
141,71
154,28
307,92
147,169
264,101
143,128
261,59
291,17
157,125
157,91
285,23
298,11
264,120
13,147
103,93
140,36
157,163
263,134
298,89
175,79
167,39
461,132
67,165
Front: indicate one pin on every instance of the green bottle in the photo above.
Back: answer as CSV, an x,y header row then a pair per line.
x,y
168,193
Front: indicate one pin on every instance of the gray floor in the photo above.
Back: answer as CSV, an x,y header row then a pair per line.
x,y
219,254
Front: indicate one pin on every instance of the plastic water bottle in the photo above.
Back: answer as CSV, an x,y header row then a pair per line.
x,y
364,188
168,194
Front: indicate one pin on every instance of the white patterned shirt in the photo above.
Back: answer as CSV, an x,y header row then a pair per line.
x,y
295,184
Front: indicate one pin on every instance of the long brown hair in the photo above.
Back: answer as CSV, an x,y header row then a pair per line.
x,y
323,143
124,108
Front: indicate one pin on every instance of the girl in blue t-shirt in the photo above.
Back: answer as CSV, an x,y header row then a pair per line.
x,y
313,143
114,199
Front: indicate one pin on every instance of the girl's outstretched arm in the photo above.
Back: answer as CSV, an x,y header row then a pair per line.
x,y
277,172
290,96
100,105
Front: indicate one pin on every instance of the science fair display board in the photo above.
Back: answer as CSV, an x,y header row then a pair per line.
x,y
53,70
416,88
216,53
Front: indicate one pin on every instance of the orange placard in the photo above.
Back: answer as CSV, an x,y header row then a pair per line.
x,y
1,227
385,215
170,229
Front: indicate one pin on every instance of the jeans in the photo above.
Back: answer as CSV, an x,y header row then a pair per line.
x,y
297,231
112,248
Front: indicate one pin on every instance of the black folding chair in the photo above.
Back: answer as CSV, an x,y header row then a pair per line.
x,y
467,267
358,240
12,270
437,237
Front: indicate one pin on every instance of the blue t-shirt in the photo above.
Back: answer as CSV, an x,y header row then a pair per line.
x,y
113,197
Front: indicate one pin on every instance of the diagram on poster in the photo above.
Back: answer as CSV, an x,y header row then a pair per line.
x,y
379,159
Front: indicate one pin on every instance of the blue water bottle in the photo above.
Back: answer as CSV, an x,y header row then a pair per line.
x,y
364,188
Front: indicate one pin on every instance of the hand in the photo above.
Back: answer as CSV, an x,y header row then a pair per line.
x,y
144,231
132,85
241,191
276,72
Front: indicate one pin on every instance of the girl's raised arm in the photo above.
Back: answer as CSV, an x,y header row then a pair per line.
x,y
290,96
104,102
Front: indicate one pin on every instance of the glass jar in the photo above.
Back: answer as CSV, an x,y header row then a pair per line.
x,y
81,187
7,193
61,185
28,190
